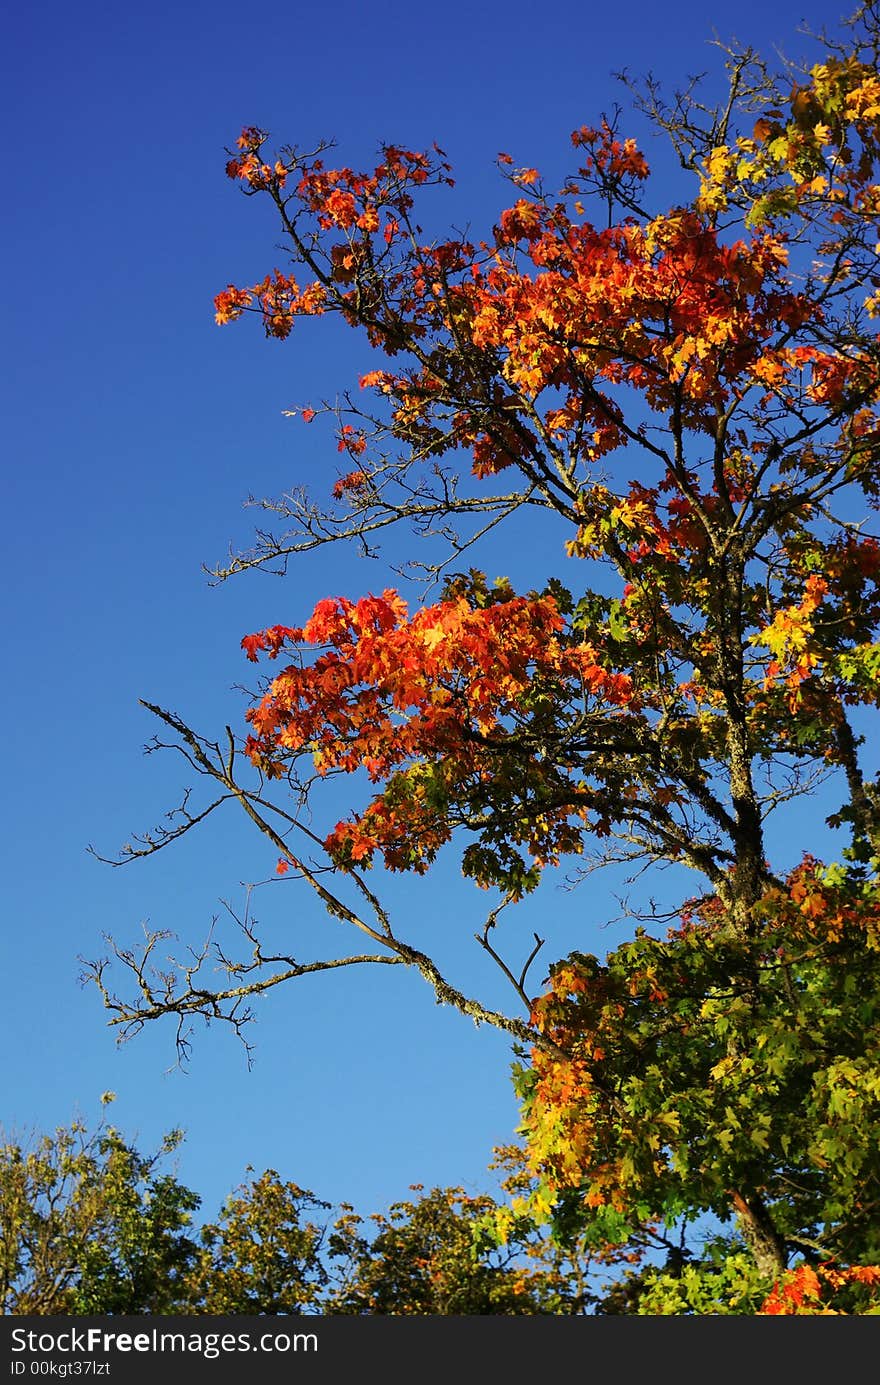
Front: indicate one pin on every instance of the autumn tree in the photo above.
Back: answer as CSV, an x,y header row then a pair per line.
x,y
687,385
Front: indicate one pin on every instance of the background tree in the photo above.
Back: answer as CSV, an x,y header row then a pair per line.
x,y
90,1225
690,392
260,1256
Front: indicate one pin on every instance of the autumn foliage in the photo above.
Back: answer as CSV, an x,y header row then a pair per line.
x,y
462,680
687,382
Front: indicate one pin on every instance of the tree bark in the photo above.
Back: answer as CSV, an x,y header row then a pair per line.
x,y
764,1242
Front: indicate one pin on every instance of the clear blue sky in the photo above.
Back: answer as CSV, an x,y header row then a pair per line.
x,y
134,428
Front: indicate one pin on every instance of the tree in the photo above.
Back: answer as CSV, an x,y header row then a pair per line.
x,y
690,391
260,1256
89,1225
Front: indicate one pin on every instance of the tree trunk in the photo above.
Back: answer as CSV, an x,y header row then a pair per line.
x,y
764,1242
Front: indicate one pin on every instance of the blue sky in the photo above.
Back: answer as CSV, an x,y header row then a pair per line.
x,y
134,428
